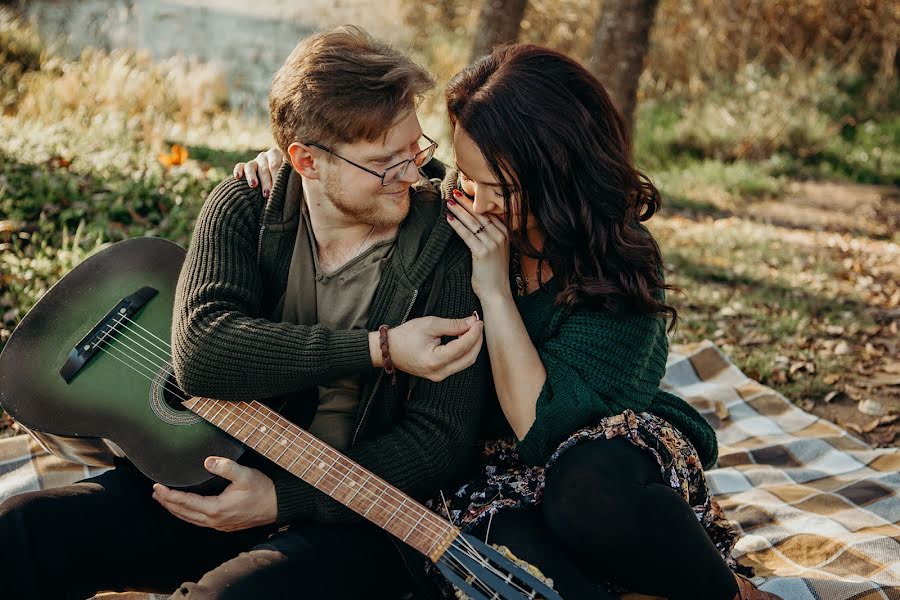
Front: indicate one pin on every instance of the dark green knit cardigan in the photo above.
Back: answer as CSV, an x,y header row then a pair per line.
x,y
598,365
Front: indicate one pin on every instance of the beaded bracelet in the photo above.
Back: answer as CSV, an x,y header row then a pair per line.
x,y
386,354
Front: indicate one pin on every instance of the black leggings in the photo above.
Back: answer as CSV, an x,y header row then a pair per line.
x,y
607,515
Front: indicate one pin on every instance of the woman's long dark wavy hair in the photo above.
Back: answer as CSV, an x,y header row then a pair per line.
x,y
560,149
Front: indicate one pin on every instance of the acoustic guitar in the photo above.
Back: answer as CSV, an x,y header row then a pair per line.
x,y
88,373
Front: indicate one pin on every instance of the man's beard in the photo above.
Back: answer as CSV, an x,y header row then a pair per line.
x,y
379,211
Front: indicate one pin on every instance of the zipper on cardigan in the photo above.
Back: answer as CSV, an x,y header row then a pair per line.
x,y
381,374
259,244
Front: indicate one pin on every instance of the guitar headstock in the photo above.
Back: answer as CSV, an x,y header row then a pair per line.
x,y
483,573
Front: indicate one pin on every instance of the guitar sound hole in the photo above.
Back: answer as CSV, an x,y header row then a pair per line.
x,y
172,394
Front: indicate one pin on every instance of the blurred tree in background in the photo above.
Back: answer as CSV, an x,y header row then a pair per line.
x,y
620,46
499,22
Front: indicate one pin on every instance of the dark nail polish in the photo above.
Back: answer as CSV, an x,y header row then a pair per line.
x,y
450,217
451,202
252,183
265,193
457,193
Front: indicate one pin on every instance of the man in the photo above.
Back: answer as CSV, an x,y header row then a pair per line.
x,y
284,300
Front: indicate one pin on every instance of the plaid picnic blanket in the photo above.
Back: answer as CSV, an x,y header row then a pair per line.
x,y
818,509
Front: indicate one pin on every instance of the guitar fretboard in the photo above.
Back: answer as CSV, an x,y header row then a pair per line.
x,y
318,464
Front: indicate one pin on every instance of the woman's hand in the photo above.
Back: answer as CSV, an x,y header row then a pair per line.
x,y
261,170
487,238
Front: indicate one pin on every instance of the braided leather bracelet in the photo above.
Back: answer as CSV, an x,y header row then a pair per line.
x,y
386,354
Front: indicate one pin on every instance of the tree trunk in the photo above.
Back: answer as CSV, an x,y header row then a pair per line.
x,y
620,46
498,23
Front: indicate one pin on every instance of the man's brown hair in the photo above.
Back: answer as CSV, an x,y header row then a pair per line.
x,y
343,86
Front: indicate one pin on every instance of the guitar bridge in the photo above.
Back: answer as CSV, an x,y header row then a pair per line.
x,y
104,331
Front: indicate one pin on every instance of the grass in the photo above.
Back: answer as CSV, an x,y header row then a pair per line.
x,y
81,143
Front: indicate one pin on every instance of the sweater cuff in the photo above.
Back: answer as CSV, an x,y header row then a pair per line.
x,y
294,498
533,447
348,353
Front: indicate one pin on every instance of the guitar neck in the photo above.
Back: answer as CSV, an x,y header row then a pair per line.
x,y
318,464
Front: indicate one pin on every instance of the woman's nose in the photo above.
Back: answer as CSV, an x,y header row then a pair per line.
x,y
480,205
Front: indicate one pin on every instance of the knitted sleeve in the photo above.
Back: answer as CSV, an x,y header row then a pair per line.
x,y
219,348
597,365
429,447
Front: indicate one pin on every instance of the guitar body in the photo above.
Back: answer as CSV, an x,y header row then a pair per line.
x,y
109,407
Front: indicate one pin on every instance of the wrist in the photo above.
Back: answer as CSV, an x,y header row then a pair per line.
x,y
375,349
501,300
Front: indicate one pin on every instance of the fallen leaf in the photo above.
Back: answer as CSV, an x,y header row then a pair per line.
x,y
870,407
831,379
842,348
885,379
851,426
176,156
831,396
755,339
888,419
871,425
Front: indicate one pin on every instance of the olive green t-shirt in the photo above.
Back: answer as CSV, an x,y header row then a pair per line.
x,y
339,300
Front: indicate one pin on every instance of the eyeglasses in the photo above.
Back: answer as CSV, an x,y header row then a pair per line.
x,y
394,172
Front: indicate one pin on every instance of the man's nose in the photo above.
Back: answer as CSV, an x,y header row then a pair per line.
x,y
411,175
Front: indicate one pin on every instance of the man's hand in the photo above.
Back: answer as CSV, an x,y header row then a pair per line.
x,y
416,347
248,501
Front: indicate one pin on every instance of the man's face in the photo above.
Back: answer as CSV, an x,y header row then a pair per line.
x,y
359,195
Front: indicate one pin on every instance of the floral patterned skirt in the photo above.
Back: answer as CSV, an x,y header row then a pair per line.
x,y
505,482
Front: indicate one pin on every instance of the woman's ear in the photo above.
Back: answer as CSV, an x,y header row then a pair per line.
x,y
305,159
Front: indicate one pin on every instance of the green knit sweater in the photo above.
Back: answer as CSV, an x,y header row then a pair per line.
x,y
599,365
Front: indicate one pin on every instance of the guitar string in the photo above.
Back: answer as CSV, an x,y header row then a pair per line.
x,y
468,549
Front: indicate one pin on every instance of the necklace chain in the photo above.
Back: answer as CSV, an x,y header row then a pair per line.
x,y
361,246
519,276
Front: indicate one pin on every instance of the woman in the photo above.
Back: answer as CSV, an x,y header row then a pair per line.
x,y
598,467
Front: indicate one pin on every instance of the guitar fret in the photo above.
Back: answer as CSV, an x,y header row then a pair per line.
x,y
396,511
349,500
341,482
299,451
311,463
324,472
416,524
373,503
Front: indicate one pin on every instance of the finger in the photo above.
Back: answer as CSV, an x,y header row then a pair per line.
x,y
238,171
227,468
263,169
456,349
193,502
184,514
250,172
466,360
441,326
471,240
472,222
491,221
276,159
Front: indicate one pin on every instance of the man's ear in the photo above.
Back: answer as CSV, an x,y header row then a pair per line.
x,y
305,159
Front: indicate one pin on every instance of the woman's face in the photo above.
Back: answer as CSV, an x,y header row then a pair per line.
x,y
476,179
